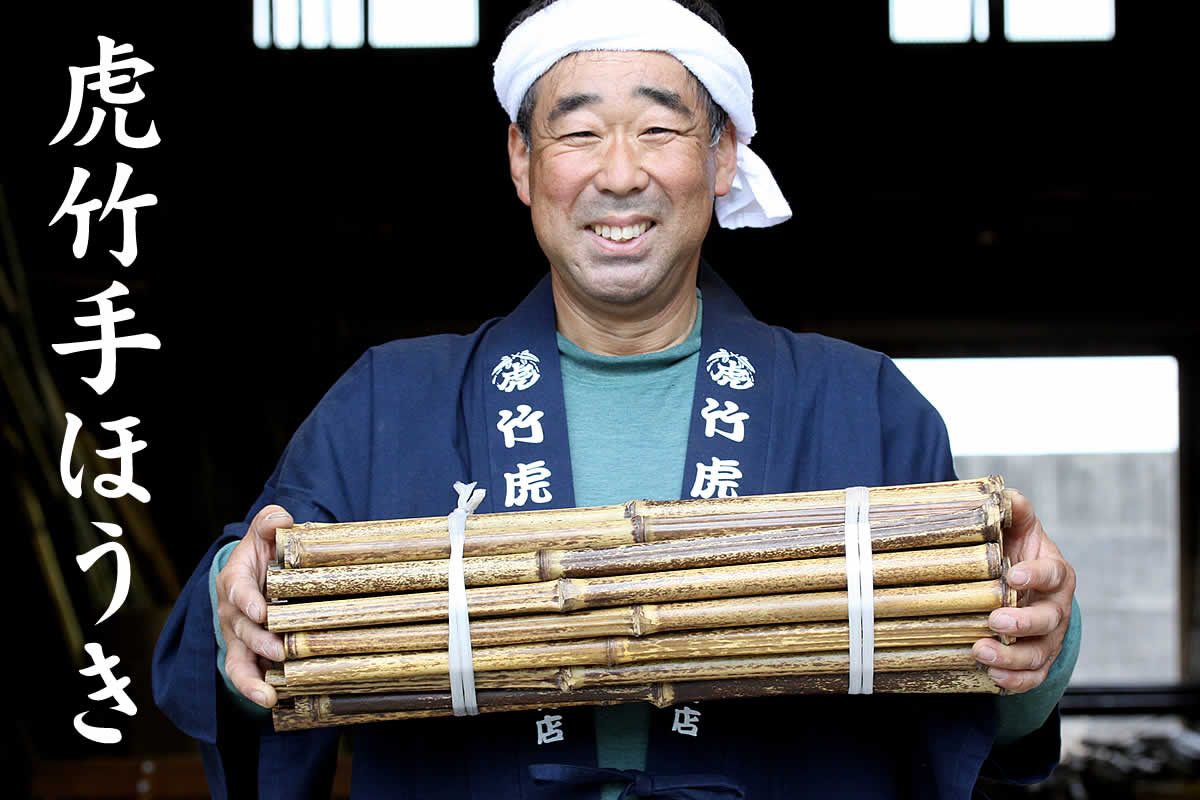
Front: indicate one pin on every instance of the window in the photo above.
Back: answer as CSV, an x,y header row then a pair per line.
x,y
941,21
1059,20
1094,443
318,24
934,21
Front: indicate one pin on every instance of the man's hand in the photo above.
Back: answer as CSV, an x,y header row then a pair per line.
x,y
242,608
1047,585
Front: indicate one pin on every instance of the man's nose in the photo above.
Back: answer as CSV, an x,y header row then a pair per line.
x,y
621,170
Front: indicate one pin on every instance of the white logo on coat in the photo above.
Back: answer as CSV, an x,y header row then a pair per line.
x,y
516,372
730,369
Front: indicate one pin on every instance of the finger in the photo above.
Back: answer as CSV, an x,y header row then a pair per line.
x,y
1027,655
260,641
1023,517
1017,681
268,520
1047,575
245,591
1025,538
244,575
1039,619
242,668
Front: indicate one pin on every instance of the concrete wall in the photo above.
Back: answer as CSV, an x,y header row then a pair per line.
x,y
1116,519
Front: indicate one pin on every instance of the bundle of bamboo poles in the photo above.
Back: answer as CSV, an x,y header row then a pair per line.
x,y
660,602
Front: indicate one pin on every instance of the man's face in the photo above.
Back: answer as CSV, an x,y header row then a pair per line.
x,y
620,177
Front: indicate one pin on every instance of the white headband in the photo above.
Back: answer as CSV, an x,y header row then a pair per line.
x,y
569,26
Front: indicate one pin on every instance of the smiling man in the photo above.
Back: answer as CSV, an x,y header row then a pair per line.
x,y
632,371
619,171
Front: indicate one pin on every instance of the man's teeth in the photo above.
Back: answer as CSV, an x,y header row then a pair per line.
x,y
621,233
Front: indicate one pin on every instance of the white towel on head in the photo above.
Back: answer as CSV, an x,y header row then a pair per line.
x,y
570,26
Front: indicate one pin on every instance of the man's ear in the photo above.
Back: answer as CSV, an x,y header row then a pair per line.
x,y
518,162
726,160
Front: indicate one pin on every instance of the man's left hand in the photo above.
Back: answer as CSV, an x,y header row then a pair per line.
x,y
1047,585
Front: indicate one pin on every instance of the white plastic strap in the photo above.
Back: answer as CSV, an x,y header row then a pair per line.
x,y
462,665
860,590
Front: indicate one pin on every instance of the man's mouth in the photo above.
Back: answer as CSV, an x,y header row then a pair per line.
x,y
621,233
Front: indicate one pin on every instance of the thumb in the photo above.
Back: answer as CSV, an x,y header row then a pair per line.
x,y
268,520
262,533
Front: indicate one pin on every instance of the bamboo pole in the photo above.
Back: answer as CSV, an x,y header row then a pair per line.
x,y
560,679
612,651
302,552
668,694
325,710
313,711
714,549
291,543
616,621
534,678
311,544
534,519
936,565
917,496
913,659
645,619
930,660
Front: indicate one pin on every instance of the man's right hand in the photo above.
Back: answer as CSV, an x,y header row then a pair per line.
x,y
242,608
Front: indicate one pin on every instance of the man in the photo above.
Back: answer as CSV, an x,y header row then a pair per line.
x,y
632,371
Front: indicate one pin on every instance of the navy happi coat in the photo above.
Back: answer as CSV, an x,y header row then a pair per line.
x,y
412,417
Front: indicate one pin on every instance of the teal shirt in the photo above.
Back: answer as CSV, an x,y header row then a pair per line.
x,y
627,426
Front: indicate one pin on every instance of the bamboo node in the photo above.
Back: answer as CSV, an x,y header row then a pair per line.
x,y
638,619
612,651
290,649
567,595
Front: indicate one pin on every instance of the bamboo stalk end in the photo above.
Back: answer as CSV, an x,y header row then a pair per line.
x,y
1005,505
1011,599
662,695
996,561
993,520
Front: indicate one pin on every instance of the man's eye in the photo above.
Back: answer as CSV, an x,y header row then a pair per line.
x,y
579,135
659,131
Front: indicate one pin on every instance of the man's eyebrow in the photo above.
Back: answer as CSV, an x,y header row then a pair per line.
x,y
664,97
567,104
